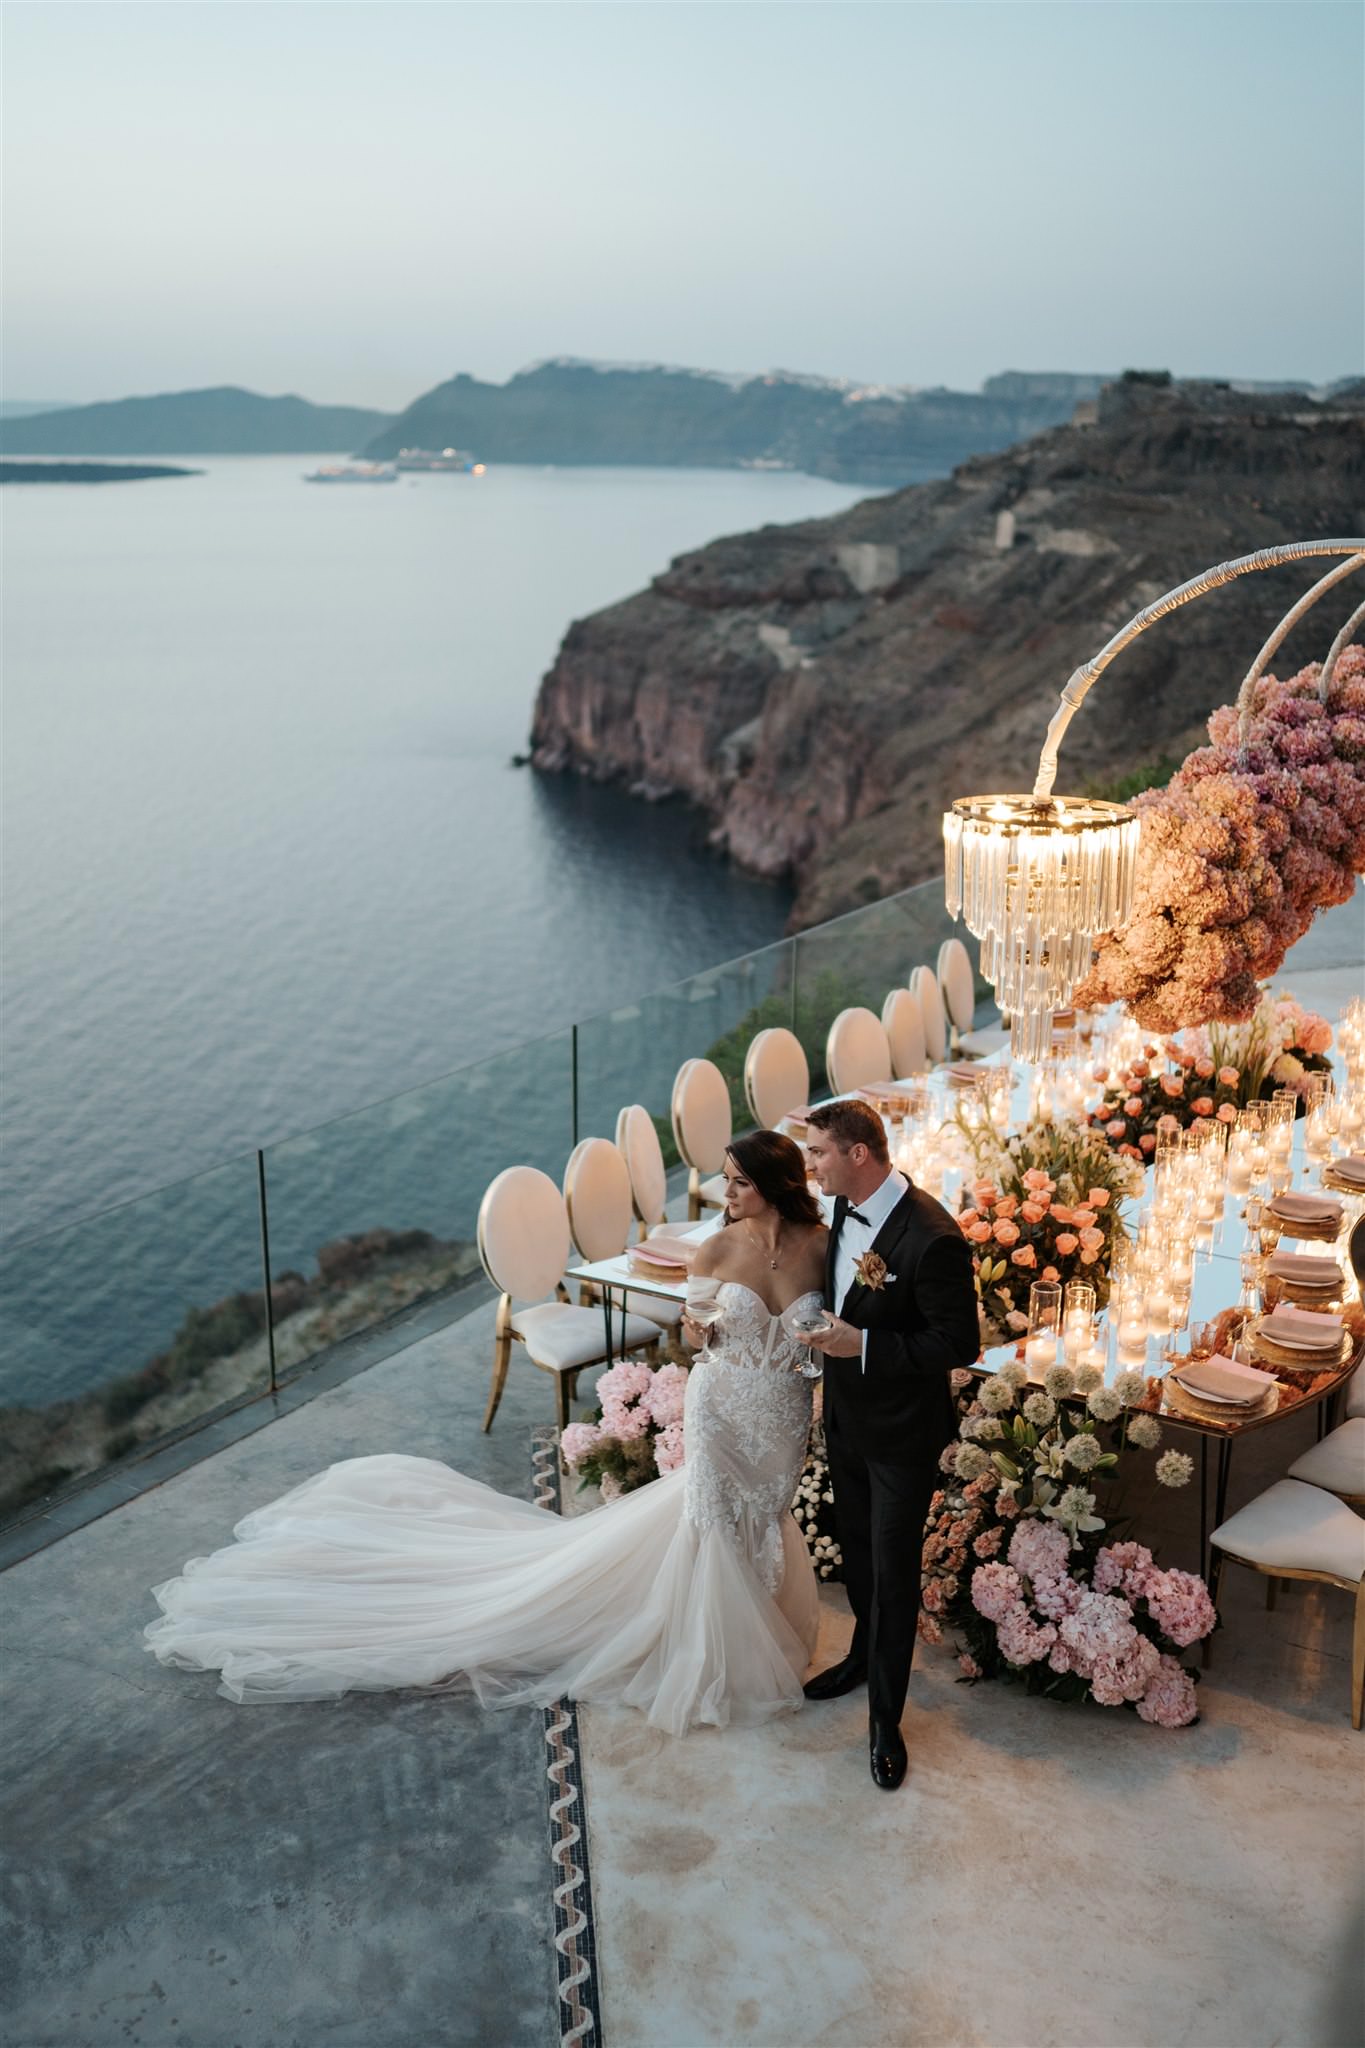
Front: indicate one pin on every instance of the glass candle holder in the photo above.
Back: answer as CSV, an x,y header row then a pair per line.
x,y
1044,1325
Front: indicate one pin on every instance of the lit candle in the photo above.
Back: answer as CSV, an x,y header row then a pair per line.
x,y
1039,1353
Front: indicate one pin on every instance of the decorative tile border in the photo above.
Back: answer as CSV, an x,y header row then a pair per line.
x,y
580,2018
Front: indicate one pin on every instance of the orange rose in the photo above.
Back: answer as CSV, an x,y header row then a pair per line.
x,y
979,1233
1031,1213
1007,1233
1098,1198
1066,1244
1091,1239
1007,1205
1204,1106
1025,1256
1050,1273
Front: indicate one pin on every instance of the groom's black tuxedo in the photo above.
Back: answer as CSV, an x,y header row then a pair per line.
x,y
887,1420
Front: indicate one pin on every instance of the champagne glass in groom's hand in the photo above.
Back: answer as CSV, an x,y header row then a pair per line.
x,y
805,1319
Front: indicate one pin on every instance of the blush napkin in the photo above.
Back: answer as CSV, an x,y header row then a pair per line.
x,y
1294,1208
1225,1379
1302,1270
1302,1328
1351,1168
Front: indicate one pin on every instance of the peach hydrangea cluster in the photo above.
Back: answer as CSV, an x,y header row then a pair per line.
x,y
1238,853
1014,1557
637,1432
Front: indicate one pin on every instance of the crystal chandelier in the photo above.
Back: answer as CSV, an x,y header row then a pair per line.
x,y
1039,878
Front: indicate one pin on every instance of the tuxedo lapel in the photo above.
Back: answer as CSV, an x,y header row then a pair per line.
x,y
836,1225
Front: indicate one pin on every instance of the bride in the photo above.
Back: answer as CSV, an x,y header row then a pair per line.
x,y
692,1598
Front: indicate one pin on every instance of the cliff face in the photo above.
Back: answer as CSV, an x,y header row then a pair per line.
x,y
822,690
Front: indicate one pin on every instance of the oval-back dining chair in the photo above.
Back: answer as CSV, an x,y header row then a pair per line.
x,y
776,1076
702,1129
957,984
637,1141
924,987
524,1244
857,1051
903,1023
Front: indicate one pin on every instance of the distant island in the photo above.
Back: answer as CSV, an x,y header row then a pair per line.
x,y
221,421
572,413
816,689
87,472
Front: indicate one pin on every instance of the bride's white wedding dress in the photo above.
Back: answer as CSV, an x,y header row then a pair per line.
x,y
693,1598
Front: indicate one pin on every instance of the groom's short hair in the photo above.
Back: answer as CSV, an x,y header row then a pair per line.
x,y
852,1123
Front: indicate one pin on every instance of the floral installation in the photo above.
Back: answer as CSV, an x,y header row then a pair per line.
x,y
813,1510
635,1434
1168,1089
1238,853
870,1268
1278,1046
1044,1206
1015,1557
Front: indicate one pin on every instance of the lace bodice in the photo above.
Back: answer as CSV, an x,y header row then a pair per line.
x,y
749,1334
748,1418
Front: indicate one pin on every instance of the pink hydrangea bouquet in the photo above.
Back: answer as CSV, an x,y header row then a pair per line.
x,y
1044,1205
1015,1556
635,1434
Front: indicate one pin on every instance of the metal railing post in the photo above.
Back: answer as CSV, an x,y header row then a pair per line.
x,y
265,1262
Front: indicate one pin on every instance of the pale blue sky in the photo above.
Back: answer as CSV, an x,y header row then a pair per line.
x,y
355,201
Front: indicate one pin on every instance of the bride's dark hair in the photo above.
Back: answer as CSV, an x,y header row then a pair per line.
x,y
776,1167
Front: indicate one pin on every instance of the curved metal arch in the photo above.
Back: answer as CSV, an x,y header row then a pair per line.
x,y
1073,696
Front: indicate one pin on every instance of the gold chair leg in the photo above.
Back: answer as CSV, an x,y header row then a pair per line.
x,y
502,1352
562,1397
1358,1661
1215,1584
1271,1588
694,1196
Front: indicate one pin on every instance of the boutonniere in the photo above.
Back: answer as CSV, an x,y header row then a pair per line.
x,y
871,1271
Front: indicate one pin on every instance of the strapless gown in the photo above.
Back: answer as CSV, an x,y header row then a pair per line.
x,y
693,1598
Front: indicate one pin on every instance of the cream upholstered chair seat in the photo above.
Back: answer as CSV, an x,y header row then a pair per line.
x,y
564,1339
925,989
702,1129
1355,1392
857,1051
1338,1462
957,986
990,1038
1296,1531
903,1023
524,1244
1294,1527
776,1076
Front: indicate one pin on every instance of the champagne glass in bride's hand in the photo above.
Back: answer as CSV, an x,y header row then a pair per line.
x,y
701,1304
806,1319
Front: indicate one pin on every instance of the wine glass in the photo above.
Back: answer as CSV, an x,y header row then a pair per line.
x,y
701,1304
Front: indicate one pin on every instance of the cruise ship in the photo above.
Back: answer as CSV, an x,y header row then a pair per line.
x,y
457,461
353,473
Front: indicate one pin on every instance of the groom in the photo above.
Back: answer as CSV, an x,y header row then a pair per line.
x,y
899,1279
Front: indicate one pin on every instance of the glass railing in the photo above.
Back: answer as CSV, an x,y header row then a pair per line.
x,y
134,1324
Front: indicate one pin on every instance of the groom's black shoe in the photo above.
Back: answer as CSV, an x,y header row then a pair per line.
x,y
888,1755
839,1679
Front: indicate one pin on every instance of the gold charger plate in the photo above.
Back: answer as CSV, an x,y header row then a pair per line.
x,y
1311,1233
1340,1186
1292,1358
1185,1403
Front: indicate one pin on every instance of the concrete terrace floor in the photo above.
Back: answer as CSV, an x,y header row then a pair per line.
x,y
376,1874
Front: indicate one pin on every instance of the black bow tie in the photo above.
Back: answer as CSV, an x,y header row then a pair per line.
x,y
856,1216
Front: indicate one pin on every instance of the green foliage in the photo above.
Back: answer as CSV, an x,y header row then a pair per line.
x,y
1121,789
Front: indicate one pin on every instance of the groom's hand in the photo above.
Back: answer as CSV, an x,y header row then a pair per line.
x,y
840,1340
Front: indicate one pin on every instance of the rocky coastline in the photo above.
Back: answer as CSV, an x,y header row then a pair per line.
x,y
221,1353
817,690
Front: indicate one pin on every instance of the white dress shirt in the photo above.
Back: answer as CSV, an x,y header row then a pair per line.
x,y
856,1238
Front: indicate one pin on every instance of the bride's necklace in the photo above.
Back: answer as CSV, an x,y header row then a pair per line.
x,y
777,1246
